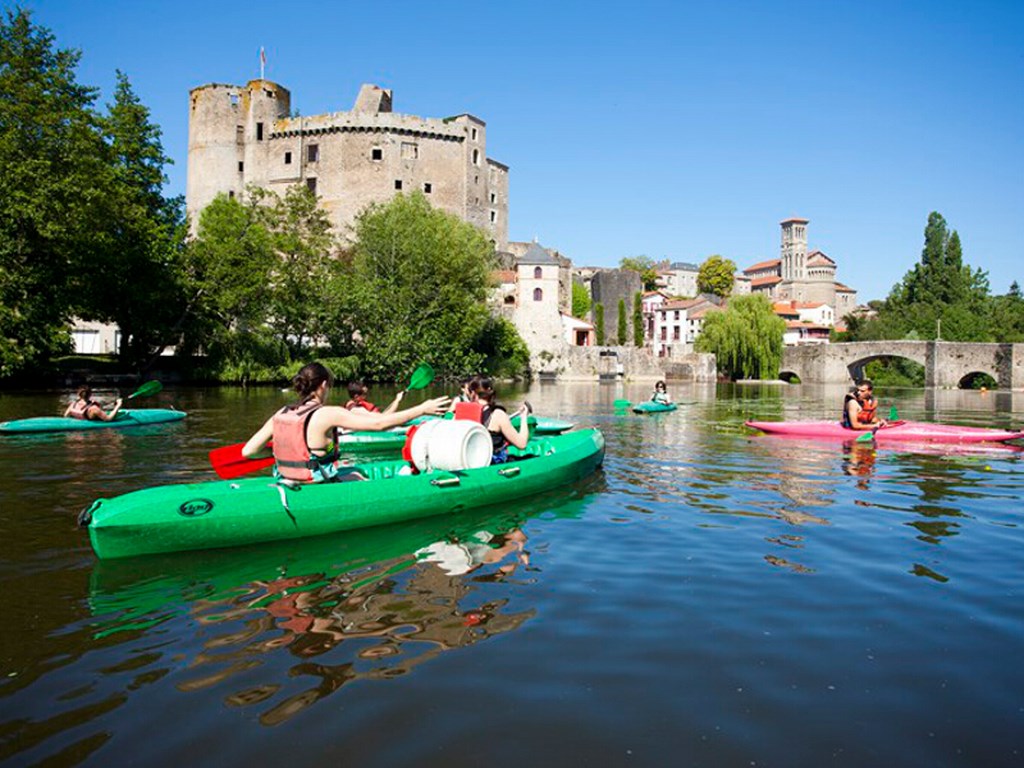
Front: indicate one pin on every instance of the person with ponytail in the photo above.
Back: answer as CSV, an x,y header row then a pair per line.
x,y
498,423
305,433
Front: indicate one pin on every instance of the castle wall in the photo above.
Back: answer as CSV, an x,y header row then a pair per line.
x,y
240,136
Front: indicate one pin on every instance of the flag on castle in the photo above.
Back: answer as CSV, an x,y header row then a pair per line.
x,y
263,61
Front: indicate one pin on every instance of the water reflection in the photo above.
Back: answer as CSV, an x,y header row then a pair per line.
x,y
371,605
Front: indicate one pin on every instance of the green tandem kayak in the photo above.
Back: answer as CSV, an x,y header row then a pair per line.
x,y
229,513
125,418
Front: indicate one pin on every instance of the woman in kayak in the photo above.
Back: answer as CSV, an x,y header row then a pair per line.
x,y
860,409
467,391
357,392
304,434
88,409
661,393
498,423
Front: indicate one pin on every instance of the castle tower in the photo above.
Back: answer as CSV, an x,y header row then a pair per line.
x,y
794,249
228,129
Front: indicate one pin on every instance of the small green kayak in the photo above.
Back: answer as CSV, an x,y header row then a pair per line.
x,y
652,407
125,418
230,513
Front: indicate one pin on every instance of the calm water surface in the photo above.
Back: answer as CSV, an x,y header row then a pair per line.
x,y
711,598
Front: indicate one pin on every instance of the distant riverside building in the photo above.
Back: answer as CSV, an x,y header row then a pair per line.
x,y
679,279
798,275
246,135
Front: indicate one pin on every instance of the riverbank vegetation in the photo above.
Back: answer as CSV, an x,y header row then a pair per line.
x,y
940,297
261,286
745,338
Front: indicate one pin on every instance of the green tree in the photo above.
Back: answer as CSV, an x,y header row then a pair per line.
x,y
599,324
645,267
305,269
622,330
230,265
716,276
52,171
939,291
745,337
638,320
137,282
580,301
419,280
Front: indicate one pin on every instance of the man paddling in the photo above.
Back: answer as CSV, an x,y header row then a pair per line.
x,y
860,409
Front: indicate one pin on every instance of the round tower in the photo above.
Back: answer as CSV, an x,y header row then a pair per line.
x,y
214,148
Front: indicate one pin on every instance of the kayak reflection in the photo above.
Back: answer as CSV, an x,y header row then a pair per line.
x,y
367,605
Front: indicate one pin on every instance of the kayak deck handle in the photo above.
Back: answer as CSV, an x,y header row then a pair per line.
x,y
510,471
446,482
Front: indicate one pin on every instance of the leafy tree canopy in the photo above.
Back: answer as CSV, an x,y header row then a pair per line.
x,y
745,337
645,267
716,276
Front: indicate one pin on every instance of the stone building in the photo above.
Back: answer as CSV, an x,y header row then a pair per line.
x,y
607,287
246,135
799,275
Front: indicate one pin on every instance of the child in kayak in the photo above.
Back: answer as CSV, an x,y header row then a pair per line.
x,y
499,424
661,394
304,434
87,409
860,409
357,392
467,391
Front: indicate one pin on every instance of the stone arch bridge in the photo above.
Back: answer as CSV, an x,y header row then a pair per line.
x,y
946,363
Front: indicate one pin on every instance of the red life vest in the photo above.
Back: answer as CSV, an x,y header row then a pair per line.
x,y
291,446
472,411
866,414
362,402
80,408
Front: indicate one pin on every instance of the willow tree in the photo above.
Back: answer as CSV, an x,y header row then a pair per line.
x,y
745,338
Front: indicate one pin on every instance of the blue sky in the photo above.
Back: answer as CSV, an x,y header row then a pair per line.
x,y
667,129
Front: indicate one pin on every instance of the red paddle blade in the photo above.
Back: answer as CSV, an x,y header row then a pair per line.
x,y
229,463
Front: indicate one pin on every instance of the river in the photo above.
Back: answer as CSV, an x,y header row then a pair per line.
x,y
712,597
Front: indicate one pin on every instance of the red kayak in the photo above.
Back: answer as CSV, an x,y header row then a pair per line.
x,y
899,431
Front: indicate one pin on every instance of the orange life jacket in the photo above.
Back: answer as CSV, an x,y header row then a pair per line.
x,y
80,408
291,446
361,402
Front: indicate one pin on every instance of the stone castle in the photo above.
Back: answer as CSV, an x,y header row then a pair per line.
x,y
246,135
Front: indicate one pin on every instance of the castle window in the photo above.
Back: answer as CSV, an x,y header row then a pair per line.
x,y
476,157
509,300
494,198
287,158
538,294
311,185
376,153
538,273
313,152
231,194
427,187
241,166
233,98
473,132
410,150
398,183
259,131
494,216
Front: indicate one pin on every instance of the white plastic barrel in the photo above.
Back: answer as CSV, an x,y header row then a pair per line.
x,y
451,445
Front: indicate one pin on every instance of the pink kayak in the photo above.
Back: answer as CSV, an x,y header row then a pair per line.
x,y
903,431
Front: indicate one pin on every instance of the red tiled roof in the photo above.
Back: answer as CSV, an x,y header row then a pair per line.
x,y
505,275
794,305
766,280
845,288
763,265
816,258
